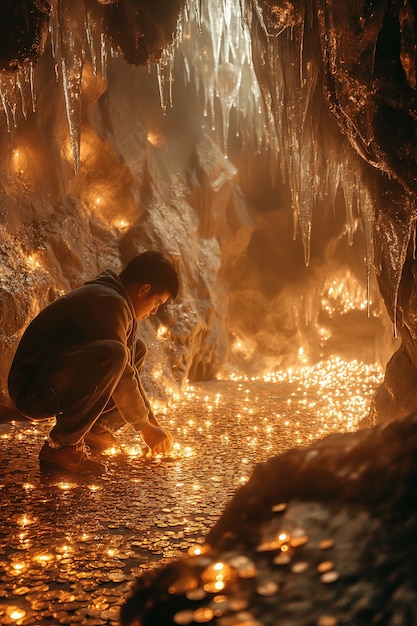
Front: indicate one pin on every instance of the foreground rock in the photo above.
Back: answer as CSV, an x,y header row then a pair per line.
x,y
323,536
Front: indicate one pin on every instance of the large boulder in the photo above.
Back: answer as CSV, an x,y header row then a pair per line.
x,y
320,536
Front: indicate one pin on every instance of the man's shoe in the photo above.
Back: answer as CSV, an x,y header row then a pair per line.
x,y
99,439
73,459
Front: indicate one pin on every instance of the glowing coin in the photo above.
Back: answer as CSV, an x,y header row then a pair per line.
x,y
282,559
268,588
300,567
278,508
203,615
184,617
329,577
326,620
325,566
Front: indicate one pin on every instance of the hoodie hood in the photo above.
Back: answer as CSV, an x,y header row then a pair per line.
x,y
109,278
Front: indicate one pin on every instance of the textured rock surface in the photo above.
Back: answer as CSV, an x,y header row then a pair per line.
x,y
366,59
128,196
322,535
370,82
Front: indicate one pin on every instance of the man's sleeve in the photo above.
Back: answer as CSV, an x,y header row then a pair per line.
x,y
115,324
129,400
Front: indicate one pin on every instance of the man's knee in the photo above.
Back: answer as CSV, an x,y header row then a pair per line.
x,y
111,353
42,392
36,402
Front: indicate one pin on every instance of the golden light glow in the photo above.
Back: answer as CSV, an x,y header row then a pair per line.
x,y
156,139
162,332
65,486
134,451
15,613
283,536
44,558
121,224
199,549
94,488
65,549
111,451
216,576
18,566
20,160
217,572
344,293
33,261
25,520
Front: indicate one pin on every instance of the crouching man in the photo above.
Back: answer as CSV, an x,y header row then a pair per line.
x,y
80,359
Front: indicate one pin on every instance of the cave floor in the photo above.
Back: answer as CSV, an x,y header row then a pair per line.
x,y
70,549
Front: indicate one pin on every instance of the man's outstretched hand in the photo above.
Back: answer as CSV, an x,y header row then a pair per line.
x,y
157,439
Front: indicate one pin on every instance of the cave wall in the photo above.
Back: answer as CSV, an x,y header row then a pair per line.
x,y
370,56
135,190
362,58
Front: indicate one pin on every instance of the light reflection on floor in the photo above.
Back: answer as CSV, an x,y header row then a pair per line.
x,y
70,549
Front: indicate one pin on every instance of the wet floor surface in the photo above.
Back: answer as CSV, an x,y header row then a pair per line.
x,y
70,549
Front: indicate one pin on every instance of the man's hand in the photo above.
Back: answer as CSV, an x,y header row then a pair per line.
x,y
157,439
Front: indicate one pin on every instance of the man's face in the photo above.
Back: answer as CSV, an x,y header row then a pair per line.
x,y
148,303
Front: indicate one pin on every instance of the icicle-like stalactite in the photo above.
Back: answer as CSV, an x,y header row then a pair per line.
x,y
275,93
367,211
289,82
17,93
9,98
72,36
311,154
165,76
219,53
359,200
228,83
94,26
394,238
216,26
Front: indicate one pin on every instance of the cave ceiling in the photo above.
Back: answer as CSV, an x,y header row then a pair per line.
x,y
368,56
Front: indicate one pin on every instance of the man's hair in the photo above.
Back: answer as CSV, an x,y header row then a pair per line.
x,y
154,269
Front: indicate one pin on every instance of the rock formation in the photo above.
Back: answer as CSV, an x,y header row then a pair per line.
x,y
320,536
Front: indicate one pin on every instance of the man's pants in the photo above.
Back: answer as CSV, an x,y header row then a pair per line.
x,y
76,387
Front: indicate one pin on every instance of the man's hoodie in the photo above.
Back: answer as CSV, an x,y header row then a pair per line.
x,y
99,310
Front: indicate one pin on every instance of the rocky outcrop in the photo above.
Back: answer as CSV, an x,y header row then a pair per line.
x,y
319,536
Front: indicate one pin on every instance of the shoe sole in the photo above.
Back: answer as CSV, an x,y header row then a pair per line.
x,y
50,466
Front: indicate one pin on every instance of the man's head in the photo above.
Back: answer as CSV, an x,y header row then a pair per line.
x,y
150,280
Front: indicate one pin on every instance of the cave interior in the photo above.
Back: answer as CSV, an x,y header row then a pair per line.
x,y
268,149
